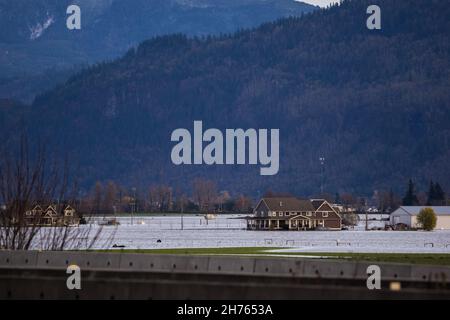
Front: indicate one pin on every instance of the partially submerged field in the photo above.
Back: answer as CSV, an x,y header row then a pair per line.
x,y
169,232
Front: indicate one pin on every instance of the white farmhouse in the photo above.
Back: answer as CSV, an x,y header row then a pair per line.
x,y
408,216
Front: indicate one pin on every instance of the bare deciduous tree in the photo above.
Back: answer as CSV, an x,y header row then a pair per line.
x,y
28,182
205,194
243,204
160,198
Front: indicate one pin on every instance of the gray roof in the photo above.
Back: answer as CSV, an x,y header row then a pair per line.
x,y
288,204
414,210
317,203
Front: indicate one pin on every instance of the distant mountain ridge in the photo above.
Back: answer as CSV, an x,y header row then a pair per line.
x,y
375,104
37,51
35,31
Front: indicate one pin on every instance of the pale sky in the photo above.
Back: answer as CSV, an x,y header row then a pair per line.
x,y
322,3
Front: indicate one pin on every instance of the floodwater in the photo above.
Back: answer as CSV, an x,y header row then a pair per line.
x,y
153,232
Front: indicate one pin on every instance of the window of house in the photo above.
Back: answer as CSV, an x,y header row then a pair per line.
x,y
308,214
325,214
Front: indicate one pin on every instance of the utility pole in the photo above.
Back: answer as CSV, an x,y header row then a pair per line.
x,y
182,213
367,215
133,208
367,222
322,174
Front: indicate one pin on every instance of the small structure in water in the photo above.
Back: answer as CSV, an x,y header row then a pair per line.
x,y
109,222
210,216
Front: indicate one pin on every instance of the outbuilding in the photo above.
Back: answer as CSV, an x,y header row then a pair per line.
x,y
407,215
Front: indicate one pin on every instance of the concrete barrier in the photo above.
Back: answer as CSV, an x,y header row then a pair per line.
x,y
19,258
237,265
279,266
166,263
431,274
42,275
393,272
332,269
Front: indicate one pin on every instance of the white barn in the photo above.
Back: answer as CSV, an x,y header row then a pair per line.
x,y
408,216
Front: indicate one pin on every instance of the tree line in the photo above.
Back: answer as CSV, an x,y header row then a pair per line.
x,y
434,197
204,197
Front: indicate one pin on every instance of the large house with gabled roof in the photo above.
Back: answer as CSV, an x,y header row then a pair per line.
x,y
290,213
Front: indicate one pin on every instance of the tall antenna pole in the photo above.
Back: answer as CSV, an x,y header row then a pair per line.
x,y
182,217
367,216
322,165
133,208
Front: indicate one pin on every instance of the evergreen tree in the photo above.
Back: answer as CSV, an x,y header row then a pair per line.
x,y
431,194
439,195
337,198
410,198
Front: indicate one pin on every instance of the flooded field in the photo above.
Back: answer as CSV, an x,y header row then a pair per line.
x,y
154,232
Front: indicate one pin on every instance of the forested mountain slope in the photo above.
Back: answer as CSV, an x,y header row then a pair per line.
x,y
375,104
